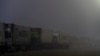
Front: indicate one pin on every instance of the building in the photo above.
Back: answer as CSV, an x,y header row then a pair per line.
x,y
2,39
16,37
21,35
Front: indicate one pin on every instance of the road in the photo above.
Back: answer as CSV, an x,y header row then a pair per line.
x,y
55,53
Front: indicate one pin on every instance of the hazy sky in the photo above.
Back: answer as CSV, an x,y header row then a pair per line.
x,y
78,17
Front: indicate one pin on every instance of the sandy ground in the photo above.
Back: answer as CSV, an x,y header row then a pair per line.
x,y
55,53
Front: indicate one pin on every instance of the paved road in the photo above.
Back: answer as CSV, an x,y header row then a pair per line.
x,y
55,53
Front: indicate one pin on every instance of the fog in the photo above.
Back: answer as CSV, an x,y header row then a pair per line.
x,y
77,17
